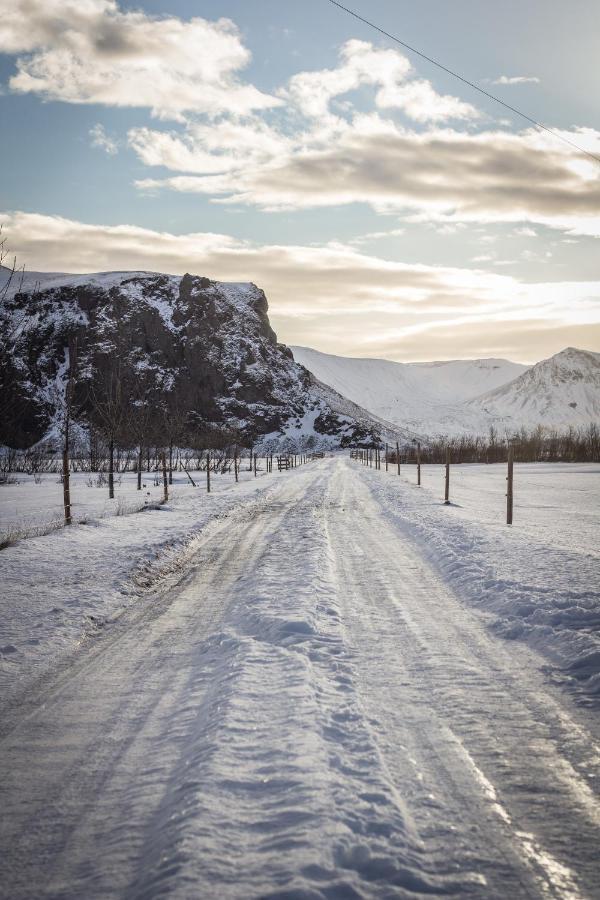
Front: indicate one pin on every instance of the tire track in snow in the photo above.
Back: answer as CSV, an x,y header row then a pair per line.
x,y
438,684
304,808
74,775
290,720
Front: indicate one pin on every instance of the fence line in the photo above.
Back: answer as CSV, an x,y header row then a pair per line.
x,y
363,456
161,464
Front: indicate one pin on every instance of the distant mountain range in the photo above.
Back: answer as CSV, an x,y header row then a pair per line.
x,y
201,355
467,397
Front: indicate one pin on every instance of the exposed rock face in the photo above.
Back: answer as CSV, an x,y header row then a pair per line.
x,y
206,346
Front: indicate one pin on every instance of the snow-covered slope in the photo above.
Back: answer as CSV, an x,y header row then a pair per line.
x,y
426,398
467,397
558,392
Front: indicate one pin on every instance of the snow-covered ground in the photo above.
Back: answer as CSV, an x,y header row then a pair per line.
x,y
60,587
555,504
294,696
27,504
541,576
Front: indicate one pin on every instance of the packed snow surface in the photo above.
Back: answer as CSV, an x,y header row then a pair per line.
x,y
298,696
466,397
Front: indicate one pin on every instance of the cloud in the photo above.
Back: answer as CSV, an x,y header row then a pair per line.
x,y
516,79
102,141
376,236
527,341
335,297
223,146
439,174
90,51
388,71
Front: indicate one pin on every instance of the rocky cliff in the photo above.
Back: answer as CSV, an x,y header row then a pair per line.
x,y
189,346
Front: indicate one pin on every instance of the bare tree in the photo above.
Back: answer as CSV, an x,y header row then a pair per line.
x,y
108,409
62,397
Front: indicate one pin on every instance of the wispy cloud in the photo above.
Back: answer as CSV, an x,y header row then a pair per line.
x,y
102,141
439,174
336,297
372,236
516,79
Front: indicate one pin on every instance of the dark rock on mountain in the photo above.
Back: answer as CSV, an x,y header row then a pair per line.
x,y
186,347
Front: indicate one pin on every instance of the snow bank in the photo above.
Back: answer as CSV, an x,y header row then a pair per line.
x,y
540,578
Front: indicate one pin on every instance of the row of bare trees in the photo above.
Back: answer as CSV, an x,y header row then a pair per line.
x,y
537,445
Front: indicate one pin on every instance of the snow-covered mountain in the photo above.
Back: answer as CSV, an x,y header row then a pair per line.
x,y
466,397
558,392
196,354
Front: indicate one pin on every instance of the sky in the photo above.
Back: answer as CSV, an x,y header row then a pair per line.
x,y
387,209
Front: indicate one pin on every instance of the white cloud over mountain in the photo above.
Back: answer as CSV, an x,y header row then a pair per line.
x,y
335,296
388,71
441,173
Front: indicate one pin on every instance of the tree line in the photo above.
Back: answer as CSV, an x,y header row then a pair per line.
x,y
535,445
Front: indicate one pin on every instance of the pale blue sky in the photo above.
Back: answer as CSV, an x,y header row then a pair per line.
x,y
484,250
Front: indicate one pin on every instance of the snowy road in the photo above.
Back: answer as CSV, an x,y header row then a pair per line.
x,y
308,712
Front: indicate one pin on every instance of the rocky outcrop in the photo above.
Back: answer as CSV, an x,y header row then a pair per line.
x,y
203,347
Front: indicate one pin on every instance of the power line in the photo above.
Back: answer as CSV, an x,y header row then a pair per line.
x,y
466,81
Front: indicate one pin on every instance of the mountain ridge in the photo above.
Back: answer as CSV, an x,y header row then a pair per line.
x,y
467,397
181,347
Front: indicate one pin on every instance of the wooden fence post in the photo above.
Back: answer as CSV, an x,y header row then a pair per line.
x,y
66,486
111,469
208,472
255,465
398,456
163,458
235,466
509,487
419,465
447,487
386,457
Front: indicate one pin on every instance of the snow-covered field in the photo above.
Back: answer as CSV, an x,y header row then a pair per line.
x,y
555,504
27,504
288,691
